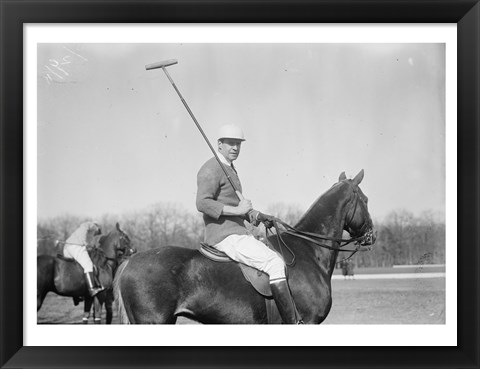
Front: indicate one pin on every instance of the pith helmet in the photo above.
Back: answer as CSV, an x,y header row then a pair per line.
x,y
231,131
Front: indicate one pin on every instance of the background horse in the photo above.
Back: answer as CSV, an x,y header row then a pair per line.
x,y
157,286
106,296
65,277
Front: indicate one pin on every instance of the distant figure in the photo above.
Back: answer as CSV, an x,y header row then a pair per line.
x,y
76,247
347,269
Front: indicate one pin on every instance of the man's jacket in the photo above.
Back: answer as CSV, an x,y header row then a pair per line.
x,y
213,192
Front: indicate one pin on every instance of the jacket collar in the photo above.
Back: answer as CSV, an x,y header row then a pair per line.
x,y
223,160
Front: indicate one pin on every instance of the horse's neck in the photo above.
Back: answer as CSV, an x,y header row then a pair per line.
x,y
326,217
107,245
98,256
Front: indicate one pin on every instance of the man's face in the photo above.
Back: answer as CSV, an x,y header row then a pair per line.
x,y
229,148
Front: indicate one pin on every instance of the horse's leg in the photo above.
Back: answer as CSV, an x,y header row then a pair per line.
x,y
108,307
142,308
40,297
146,295
45,276
86,309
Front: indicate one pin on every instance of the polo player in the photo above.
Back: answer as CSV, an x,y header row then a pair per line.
x,y
224,212
76,248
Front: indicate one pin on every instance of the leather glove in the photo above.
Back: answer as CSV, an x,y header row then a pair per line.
x,y
266,219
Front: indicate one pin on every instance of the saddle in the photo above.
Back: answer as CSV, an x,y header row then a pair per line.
x,y
96,268
258,279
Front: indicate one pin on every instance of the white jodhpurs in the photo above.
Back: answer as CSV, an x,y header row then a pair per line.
x,y
80,254
248,250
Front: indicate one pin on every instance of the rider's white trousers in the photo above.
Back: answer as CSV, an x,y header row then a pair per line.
x,y
248,250
80,254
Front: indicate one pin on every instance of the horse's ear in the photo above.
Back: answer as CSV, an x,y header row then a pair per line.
x,y
118,226
359,177
342,177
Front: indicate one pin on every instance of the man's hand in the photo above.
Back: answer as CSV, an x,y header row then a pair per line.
x,y
244,206
266,219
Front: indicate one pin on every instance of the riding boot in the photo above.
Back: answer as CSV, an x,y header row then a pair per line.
x,y
92,289
284,301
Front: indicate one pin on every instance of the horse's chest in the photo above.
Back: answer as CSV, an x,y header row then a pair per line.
x,y
312,295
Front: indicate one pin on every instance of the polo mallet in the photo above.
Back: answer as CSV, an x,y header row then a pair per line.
x,y
167,63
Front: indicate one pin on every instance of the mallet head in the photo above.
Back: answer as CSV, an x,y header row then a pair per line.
x,y
162,64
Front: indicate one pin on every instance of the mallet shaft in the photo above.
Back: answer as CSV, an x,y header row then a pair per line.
x,y
165,64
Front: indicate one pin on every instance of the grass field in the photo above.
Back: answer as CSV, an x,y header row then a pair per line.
x,y
367,301
388,301
418,269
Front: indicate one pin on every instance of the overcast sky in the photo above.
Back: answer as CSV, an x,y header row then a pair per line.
x,y
113,137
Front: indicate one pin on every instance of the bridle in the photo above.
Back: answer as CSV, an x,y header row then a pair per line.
x,y
363,242
124,240
366,237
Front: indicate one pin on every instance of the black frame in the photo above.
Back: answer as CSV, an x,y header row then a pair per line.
x,y
466,13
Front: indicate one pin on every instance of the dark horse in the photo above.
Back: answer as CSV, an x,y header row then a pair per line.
x,y
65,277
157,286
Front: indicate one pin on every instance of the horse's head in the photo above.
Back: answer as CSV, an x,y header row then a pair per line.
x,y
123,246
358,222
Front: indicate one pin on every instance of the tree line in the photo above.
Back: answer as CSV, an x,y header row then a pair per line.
x,y
402,238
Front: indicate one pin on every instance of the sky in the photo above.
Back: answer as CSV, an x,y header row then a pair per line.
x,y
113,137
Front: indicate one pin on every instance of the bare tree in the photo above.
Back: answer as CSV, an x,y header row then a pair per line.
x,y
57,228
402,237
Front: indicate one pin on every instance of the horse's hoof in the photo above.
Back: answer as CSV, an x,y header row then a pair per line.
x,y
97,321
85,320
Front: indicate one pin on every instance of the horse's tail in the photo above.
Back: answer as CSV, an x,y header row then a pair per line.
x,y
122,313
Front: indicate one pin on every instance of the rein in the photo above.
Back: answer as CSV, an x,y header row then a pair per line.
x,y
317,239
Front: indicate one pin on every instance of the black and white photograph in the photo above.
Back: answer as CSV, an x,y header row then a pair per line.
x,y
245,184
241,183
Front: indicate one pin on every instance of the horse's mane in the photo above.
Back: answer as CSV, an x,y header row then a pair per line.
x,y
98,256
98,240
326,203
